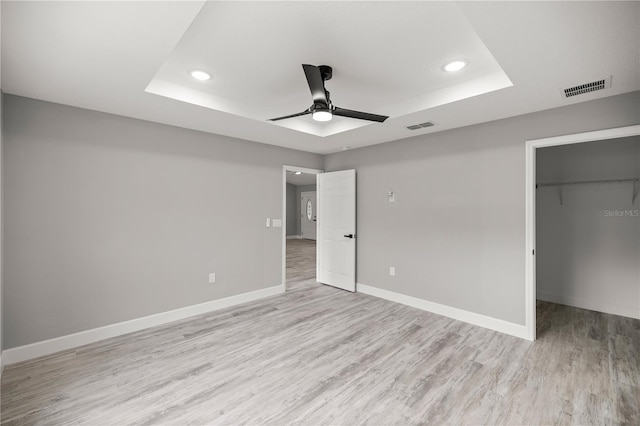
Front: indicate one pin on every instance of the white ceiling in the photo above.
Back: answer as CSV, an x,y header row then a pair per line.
x,y
301,179
261,77
133,59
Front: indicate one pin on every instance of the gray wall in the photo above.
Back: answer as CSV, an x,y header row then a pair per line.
x,y
588,255
1,226
299,190
291,209
109,218
1,207
456,233
294,224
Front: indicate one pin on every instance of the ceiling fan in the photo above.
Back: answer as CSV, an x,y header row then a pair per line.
x,y
322,108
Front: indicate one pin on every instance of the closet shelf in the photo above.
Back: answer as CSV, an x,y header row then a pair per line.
x,y
580,182
634,193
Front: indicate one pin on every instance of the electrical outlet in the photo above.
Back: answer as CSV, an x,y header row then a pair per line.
x,y
392,271
212,277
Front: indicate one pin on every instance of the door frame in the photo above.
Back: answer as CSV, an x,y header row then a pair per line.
x,y
285,169
530,206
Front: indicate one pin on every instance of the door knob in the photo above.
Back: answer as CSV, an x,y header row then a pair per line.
x,y
349,235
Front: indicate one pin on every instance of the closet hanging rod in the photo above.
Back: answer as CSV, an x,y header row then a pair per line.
x,y
540,185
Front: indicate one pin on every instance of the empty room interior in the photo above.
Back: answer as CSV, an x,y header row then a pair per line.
x,y
311,212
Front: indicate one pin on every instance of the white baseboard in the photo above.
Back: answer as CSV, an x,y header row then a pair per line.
x,y
47,347
495,324
294,237
577,302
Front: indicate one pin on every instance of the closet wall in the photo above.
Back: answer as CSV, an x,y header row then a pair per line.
x,y
588,235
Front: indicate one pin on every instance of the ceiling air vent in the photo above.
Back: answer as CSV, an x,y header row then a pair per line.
x,y
605,83
420,126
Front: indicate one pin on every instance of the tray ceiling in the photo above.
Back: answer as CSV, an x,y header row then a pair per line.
x,y
254,52
133,59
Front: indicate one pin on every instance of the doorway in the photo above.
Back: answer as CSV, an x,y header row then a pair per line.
x,y
299,233
530,206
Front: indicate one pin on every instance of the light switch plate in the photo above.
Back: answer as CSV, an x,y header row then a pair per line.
x,y
268,223
277,223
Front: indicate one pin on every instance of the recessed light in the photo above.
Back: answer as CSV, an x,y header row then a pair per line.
x,y
200,75
455,66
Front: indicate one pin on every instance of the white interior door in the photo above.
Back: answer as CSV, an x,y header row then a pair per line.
x,y
336,243
308,215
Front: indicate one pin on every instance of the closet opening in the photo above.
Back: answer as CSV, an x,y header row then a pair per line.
x,y
583,230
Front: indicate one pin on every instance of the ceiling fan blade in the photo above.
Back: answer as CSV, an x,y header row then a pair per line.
x,y
316,84
305,112
360,115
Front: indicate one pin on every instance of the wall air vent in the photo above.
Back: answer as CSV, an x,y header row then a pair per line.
x,y
420,126
605,83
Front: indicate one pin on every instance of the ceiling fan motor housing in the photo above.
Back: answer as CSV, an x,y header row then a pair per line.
x,y
326,71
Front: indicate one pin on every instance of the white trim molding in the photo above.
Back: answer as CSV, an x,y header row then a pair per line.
x,y
491,323
530,205
70,341
294,237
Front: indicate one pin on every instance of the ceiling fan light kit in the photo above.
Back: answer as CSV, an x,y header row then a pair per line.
x,y
322,115
322,108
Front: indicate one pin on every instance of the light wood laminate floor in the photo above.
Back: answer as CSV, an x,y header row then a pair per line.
x,y
301,262
319,355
